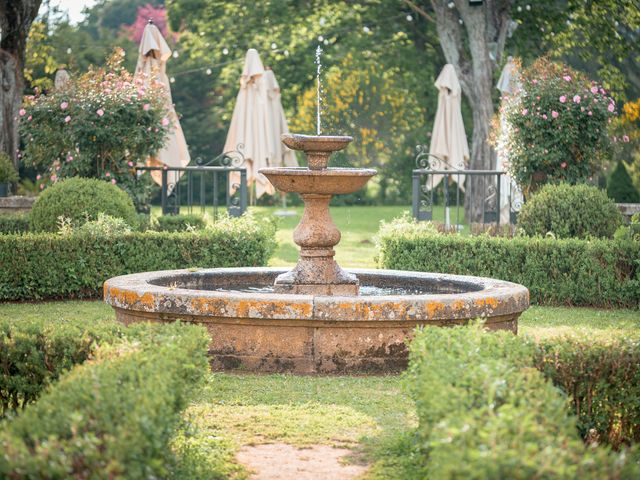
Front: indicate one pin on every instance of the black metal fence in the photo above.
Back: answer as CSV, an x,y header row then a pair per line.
x,y
434,189
204,187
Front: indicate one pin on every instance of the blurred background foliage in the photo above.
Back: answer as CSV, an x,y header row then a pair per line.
x,y
380,60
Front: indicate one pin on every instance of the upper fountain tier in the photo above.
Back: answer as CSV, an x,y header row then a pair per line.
x,y
318,179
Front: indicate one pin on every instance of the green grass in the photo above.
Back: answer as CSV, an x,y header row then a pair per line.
x,y
371,415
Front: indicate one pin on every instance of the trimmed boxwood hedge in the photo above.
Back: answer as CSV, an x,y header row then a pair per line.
x,y
599,273
14,223
603,381
485,413
34,353
113,417
47,265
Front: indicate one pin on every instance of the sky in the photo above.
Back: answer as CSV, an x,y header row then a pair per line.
x,y
73,7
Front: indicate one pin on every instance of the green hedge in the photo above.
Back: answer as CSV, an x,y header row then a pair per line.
x,y
599,273
603,381
36,266
485,413
34,353
111,418
180,223
14,223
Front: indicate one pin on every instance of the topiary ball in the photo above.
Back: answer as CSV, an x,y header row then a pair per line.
x,y
80,200
570,211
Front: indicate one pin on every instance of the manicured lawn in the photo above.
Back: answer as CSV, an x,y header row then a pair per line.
x,y
369,415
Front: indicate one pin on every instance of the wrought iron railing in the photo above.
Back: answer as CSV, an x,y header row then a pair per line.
x,y
501,200
203,186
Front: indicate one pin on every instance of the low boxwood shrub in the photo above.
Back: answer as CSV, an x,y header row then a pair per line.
x,y
603,381
36,266
80,200
112,417
180,223
570,211
14,223
484,412
599,273
34,353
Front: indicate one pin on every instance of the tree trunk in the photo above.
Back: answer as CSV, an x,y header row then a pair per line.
x,y
467,47
16,17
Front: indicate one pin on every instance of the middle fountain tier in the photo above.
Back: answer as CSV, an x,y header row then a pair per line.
x,y
317,272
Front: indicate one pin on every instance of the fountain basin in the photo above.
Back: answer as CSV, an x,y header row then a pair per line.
x,y
328,181
253,329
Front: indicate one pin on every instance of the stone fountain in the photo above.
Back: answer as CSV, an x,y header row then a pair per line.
x,y
317,317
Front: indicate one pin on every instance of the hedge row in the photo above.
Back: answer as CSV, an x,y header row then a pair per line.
x,y
113,417
603,381
600,273
36,266
34,353
485,413
14,223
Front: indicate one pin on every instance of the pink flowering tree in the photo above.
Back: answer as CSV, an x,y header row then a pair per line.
x,y
145,13
100,126
556,126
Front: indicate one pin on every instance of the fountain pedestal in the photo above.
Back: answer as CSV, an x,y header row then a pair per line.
x,y
317,273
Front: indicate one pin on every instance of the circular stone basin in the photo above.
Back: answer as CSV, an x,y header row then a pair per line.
x,y
254,329
328,181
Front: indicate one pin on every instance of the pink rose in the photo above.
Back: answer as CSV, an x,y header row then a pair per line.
x,y
38,177
589,113
611,107
525,111
22,112
67,119
113,181
563,99
594,90
100,112
554,114
107,174
567,78
625,138
576,99
42,186
165,121
563,164
29,118
544,116
64,105
54,178
146,107
534,81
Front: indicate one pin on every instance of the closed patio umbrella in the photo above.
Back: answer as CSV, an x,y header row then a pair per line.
x,y
510,193
257,124
449,148
152,63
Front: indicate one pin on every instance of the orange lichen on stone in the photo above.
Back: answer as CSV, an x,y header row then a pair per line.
x,y
458,305
433,308
487,302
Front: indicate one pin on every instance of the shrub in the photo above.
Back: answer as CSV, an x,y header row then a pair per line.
x,y
100,126
8,173
180,223
620,186
47,265
80,200
556,125
570,211
603,380
485,413
599,273
34,354
113,417
14,223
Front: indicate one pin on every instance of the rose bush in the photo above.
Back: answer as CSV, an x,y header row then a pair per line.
x,y
556,126
99,126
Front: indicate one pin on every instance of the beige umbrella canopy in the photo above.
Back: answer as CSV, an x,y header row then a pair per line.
x,y
257,123
152,63
448,141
